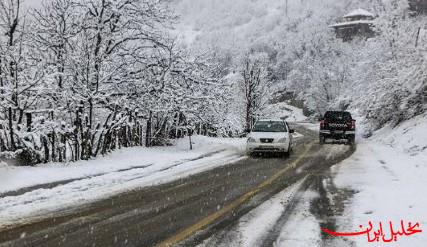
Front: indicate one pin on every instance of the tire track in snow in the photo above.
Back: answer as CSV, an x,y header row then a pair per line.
x,y
273,234
246,231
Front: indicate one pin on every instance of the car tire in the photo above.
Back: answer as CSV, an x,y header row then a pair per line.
x,y
322,139
285,154
351,140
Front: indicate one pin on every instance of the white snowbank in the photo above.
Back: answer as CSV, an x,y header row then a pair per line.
x,y
388,172
14,177
123,170
310,126
284,110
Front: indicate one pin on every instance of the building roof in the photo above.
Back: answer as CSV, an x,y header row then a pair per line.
x,y
270,120
351,23
359,12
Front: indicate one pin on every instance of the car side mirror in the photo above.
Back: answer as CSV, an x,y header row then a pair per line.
x,y
291,131
248,130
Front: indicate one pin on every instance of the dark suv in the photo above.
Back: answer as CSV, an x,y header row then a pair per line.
x,y
337,125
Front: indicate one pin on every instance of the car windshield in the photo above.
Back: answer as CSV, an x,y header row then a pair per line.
x,y
269,126
337,116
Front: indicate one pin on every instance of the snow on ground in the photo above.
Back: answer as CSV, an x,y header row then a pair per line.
x,y
252,227
302,228
310,126
388,173
286,111
120,171
228,24
14,177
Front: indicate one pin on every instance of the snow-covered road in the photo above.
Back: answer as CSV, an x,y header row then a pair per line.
x,y
294,216
282,216
147,214
383,181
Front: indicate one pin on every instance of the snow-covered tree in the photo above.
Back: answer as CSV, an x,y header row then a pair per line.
x,y
254,85
90,76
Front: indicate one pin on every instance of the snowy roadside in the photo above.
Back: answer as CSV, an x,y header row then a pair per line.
x,y
14,177
285,111
123,170
388,174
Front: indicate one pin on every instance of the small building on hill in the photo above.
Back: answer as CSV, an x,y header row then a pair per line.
x,y
358,22
418,6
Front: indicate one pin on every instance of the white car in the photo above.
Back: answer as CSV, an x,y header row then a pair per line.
x,y
270,136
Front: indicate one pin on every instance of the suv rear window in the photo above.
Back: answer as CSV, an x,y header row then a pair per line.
x,y
338,116
270,126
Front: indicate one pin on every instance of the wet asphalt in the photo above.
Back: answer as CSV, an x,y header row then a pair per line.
x,y
177,211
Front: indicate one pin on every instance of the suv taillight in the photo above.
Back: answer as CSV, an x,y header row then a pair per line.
x,y
353,124
322,124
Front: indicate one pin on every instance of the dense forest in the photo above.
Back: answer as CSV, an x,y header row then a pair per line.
x,y
82,78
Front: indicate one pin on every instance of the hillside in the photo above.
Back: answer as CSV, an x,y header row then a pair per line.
x,y
305,57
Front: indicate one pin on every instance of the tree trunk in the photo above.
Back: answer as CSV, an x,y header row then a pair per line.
x,y
46,149
148,130
189,138
53,146
12,138
29,118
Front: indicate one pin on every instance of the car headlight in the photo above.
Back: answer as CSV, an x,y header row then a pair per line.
x,y
250,139
282,140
